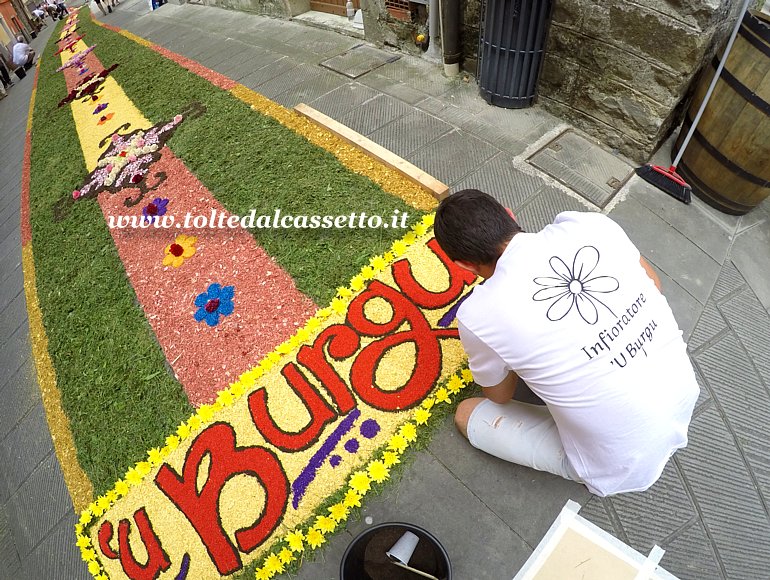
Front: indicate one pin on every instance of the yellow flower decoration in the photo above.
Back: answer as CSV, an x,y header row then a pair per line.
x,y
390,458
172,442
295,541
428,403
133,477
378,472
273,564
442,396
112,496
83,542
302,335
398,444
429,219
339,305
408,431
338,512
143,468
94,568
182,248
343,292
154,456
419,229
325,524
263,574
399,247
237,389
421,416
315,538
378,263
467,375
357,282
103,504
360,482
313,324
206,413
85,517
121,487
352,499
285,556
88,555
283,348
225,398
368,272
324,313
454,385
97,510
183,431
272,357
410,238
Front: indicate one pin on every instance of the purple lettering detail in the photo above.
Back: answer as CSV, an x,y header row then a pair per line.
x,y
306,477
370,428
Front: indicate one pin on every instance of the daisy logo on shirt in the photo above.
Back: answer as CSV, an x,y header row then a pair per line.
x,y
575,287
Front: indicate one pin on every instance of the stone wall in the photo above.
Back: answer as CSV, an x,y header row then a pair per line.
x,y
619,70
622,71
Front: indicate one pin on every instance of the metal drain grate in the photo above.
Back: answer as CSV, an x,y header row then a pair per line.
x,y
583,166
359,60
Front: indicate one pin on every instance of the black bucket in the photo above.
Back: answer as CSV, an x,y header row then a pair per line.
x,y
366,559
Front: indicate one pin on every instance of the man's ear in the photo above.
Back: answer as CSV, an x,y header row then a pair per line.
x,y
470,266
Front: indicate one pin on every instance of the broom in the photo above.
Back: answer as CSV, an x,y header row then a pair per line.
x,y
668,180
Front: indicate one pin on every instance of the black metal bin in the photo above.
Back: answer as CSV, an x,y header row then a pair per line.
x,y
511,48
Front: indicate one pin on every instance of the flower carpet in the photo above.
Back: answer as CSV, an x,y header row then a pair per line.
x,y
221,399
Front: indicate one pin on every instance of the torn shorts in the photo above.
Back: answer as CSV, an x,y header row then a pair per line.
x,y
520,433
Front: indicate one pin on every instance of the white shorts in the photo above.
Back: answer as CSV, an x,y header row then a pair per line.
x,y
520,433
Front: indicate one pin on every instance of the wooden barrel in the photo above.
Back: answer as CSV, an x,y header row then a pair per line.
x,y
727,162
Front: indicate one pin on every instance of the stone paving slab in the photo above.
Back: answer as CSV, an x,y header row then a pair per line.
x,y
710,325
527,501
549,202
685,307
453,155
43,487
667,499
393,88
11,283
408,134
14,349
27,444
375,113
58,541
341,101
282,67
674,254
752,262
428,497
751,323
19,394
731,510
310,89
690,555
500,179
286,81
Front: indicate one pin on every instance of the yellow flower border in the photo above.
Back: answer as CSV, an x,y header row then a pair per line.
x,y
377,470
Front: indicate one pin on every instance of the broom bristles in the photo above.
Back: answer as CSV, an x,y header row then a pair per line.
x,y
667,180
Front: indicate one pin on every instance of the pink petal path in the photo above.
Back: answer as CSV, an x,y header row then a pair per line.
x,y
268,306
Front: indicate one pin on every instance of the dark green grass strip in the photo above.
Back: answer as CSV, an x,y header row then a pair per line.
x,y
250,161
111,372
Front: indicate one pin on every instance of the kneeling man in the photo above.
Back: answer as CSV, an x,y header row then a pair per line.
x,y
577,314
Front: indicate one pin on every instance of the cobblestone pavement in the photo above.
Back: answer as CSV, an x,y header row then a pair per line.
x,y
709,511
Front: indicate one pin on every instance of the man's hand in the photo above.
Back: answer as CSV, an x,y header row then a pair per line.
x,y
502,392
650,272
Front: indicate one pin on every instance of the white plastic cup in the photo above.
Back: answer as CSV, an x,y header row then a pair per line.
x,y
403,549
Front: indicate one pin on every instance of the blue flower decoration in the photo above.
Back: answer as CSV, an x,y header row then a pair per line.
x,y
215,301
156,207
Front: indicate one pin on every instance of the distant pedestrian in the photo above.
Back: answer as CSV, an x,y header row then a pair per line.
x,y
23,55
5,74
101,6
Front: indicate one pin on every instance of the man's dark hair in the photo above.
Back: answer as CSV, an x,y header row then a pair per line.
x,y
472,226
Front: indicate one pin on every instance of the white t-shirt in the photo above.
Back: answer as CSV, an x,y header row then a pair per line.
x,y
573,313
21,52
